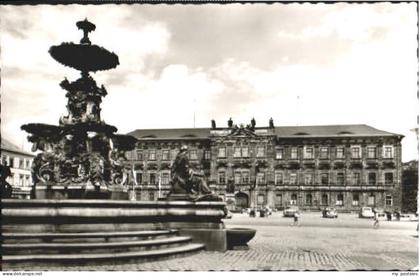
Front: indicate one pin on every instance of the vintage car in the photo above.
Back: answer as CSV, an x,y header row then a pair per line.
x,y
329,212
290,211
366,212
380,213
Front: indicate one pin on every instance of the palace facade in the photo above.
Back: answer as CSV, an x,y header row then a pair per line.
x,y
345,166
20,163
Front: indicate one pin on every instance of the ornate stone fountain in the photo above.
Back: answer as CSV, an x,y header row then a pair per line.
x,y
82,157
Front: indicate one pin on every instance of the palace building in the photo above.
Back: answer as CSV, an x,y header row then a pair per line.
x,y
20,163
344,166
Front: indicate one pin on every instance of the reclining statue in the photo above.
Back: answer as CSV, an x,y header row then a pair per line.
x,y
188,182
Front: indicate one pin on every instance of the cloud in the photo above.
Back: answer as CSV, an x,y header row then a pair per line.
x,y
298,63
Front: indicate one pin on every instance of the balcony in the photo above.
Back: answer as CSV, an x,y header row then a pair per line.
x,y
339,165
309,164
388,164
324,165
356,165
372,165
293,165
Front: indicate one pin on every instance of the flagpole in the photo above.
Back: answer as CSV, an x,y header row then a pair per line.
x,y
159,185
134,183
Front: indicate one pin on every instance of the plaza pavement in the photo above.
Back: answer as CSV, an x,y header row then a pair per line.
x,y
346,243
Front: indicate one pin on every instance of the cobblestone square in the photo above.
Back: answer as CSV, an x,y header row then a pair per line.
x,y
345,243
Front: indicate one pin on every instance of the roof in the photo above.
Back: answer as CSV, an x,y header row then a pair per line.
x,y
172,133
281,131
331,131
9,146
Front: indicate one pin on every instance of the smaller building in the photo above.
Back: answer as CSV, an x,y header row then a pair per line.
x,y
20,163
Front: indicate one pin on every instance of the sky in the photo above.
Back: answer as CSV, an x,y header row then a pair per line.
x,y
183,65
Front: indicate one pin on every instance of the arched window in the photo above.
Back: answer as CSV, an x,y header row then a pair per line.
x,y
293,199
308,199
324,199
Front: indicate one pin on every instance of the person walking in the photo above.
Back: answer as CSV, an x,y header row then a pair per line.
x,y
296,219
376,223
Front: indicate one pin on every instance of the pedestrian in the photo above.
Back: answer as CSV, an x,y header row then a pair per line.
x,y
296,218
376,223
388,216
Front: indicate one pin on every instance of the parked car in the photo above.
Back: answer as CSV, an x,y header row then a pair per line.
x,y
380,213
407,217
290,211
366,212
329,212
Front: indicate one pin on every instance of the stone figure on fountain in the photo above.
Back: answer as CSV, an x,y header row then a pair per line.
x,y
187,183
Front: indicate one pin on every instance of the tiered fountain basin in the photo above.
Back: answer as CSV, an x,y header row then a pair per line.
x,y
200,220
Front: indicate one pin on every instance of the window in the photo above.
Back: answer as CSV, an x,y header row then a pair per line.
x,y
340,178
245,177
164,178
324,199
260,200
340,153
293,153
340,200
323,153
293,199
260,178
139,177
388,200
21,163
308,179
28,164
165,154
174,152
4,160
222,153
308,153
372,178
260,152
324,178
151,196
27,180
193,154
21,180
245,152
152,155
278,178
11,162
356,178
278,200
152,178
139,155
371,152
308,199
371,200
388,152
355,201
355,152
389,178
279,153
237,177
237,152
207,155
293,178
222,178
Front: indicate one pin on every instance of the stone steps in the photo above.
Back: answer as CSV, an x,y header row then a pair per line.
x,y
86,236
84,248
20,250
22,261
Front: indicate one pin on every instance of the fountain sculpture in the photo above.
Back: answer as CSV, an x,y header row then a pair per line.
x,y
82,154
83,158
